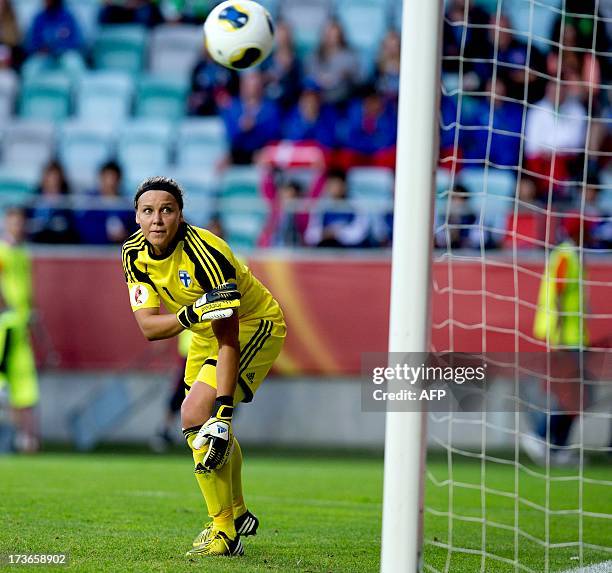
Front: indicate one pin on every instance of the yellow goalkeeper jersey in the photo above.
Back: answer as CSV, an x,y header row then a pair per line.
x,y
198,262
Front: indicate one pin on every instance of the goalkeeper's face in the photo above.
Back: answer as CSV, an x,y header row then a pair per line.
x,y
159,217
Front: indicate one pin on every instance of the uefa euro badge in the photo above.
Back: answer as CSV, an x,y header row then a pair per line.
x,y
185,278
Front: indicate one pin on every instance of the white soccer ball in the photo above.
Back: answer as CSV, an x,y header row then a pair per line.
x,y
239,34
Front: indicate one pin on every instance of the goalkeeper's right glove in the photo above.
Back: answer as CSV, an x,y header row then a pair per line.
x,y
215,304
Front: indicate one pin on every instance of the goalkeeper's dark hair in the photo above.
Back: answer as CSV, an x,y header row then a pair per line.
x,y
160,184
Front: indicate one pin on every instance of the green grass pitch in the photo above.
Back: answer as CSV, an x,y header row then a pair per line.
x,y
119,512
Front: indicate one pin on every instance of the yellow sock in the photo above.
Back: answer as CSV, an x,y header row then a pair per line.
x,y
216,487
236,464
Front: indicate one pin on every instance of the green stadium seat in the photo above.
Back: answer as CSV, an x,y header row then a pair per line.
x,y
8,91
197,182
202,142
105,95
83,148
120,47
492,194
365,24
17,183
243,221
306,18
46,97
371,183
161,96
28,142
241,182
144,149
175,49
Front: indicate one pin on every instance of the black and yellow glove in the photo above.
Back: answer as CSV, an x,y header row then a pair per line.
x,y
213,305
217,433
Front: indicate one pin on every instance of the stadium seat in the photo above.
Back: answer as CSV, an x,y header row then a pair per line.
x,y
16,183
197,181
83,148
373,183
488,181
272,6
105,95
46,97
161,96
536,26
365,24
25,10
605,193
175,49
120,47
243,221
307,19
202,142
86,14
491,196
8,91
28,142
242,182
201,193
144,149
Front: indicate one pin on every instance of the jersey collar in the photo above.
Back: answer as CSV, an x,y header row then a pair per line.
x,y
180,235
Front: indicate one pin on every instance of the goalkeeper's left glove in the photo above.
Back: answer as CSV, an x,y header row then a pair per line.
x,y
217,431
215,304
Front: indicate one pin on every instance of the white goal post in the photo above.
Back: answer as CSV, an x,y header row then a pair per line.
x,y
409,327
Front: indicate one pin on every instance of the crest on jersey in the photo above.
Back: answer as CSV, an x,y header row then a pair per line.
x,y
139,295
185,278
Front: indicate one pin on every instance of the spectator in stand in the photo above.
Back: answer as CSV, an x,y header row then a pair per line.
x,y
51,220
513,56
464,37
555,138
212,86
334,67
282,72
460,222
186,11
503,130
312,120
54,41
574,32
387,72
290,228
114,222
144,12
335,223
10,36
526,226
369,134
251,120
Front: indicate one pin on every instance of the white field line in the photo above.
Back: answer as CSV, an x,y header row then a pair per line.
x,y
603,567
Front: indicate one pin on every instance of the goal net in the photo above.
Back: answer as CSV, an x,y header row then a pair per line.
x,y
523,265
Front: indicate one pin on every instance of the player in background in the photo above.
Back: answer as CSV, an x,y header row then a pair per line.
x,y
162,439
238,332
17,366
560,323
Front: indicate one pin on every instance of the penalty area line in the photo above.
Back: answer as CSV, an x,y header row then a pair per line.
x,y
603,567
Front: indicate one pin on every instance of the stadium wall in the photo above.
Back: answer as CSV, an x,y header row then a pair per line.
x,y
336,308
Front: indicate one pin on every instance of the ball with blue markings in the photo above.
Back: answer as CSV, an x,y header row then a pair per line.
x,y
239,34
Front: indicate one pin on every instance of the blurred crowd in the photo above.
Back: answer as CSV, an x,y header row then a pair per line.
x,y
507,104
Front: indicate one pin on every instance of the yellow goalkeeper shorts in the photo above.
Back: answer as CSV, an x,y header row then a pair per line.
x,y
260,344
17,366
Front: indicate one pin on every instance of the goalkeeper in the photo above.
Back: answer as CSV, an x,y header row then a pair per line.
x,y
238,332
